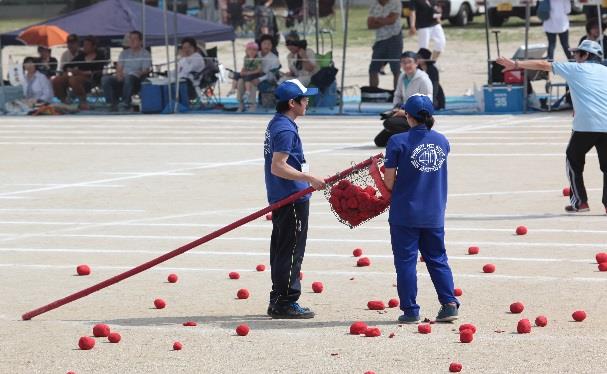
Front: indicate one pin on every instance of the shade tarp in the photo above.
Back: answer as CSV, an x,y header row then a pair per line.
x,y
110,20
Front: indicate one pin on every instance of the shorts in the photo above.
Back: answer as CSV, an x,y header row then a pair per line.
x,y
387,51
434,33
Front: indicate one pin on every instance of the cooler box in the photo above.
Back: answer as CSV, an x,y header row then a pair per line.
x,y
155,97
503,98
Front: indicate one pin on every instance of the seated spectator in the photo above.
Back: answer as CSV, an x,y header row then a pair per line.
x,y
425,62
190,65
133,66
301,59
593,33
269,60
82,74
37,87
247,79
73,49
45,63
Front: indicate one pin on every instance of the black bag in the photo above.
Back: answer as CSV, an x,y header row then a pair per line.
x,y
324,78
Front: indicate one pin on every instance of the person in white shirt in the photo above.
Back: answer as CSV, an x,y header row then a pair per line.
x,y
558,25
36,87
190,64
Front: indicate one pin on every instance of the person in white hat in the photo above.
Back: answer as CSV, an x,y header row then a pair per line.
x,y
587,80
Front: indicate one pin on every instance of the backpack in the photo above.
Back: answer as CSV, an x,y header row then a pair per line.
x,y
543,10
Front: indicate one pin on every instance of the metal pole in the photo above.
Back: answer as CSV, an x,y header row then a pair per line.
x,y
1,65
166,47
143,28
234,54
176,107
525,77
343,59
316,22
489,80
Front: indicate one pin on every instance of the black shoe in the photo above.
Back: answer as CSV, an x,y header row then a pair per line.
x,y
272,306
447,313
290,311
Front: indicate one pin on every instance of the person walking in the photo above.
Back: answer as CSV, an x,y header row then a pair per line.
x,y
587,80
558,25
285,174
416,172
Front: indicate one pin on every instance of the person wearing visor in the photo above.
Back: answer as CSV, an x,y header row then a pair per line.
x,y
416,173
286,173
587,80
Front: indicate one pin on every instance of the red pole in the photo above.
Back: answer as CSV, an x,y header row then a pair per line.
x,y
176,252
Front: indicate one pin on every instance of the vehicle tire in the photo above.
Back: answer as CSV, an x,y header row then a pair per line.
x,y
462,17
495,18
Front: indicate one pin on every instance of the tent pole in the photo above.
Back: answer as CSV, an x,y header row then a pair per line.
x,y
176,107
343,59
166,47
525,76
488,45
143,29
317,2
1,65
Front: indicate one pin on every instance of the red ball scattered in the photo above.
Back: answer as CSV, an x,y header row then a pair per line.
x,y
489,268
455,367
517,307
243,293
83,270
160,304
357,252
317,287
521,230
234,275
523,326
172,278
376,305
260,267
424,328
458,292
473,250
393,303
269,217
190,324
579,315
372,332
86,343
177,346
603,266
601,257
243,330
566,191
114,337
358,328
466,336
468,326
363,261
101,330
541,321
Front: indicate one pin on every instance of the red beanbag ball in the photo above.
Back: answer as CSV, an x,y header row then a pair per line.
x,y
393,303
242,294
357,252
114,337
466,336
468,326
521,230
603,266
601,257
541,321
83,270
489,268
566,191
243,330
517,307
358,328
172,278
579,315
372,332
363,261
458,292
101,330
376,305
190,324
424,328
177,346
260,267
86,343
523,326
473,250
160,304
234,275
455,367
317,287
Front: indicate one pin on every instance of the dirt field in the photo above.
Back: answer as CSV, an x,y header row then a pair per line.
x,y
113,192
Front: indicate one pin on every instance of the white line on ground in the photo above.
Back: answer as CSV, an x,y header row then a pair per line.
x,y
70,210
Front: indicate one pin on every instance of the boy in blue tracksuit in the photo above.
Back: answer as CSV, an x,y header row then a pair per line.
x,y
416,172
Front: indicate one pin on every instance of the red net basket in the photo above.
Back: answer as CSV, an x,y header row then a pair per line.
x,y
360,195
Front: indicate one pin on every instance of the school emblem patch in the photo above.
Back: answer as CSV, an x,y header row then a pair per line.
x,y
428,158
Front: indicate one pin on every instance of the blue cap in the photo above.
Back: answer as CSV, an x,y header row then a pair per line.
x,y
292,89
418,103
589,46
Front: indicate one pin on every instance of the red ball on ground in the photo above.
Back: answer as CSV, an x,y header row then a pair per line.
x,y
243,293
517,307
114,337
541,321
86,343
466,336
269,217
177,346
83,270
473,250
101,330
243,330
455,367
601,257
260,267
234,275
468,326
393,303
159,304
363,261
521,230
458,292
372,332
376,305
603,266
579,315
566,191
489,268
358,328
317,287
523,326
172,278
424,328
357,252
190,324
